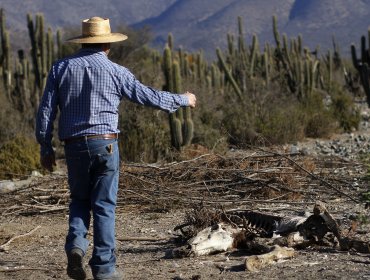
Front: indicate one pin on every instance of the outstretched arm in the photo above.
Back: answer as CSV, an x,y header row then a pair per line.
x,y
139,93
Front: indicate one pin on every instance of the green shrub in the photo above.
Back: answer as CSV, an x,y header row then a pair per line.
x,y
270,118
319,120
344,111
281,125
366,161
144,133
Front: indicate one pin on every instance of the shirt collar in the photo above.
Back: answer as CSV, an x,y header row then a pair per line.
x,y
91,51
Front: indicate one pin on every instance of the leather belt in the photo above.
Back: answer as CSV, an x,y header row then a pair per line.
x,y
87,137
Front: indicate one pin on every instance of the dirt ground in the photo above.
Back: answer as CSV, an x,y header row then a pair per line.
x,y
40,255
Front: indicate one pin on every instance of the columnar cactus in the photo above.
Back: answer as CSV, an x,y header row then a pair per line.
x,y
39,49
59,44
21,98
241,40
299,69
253,54
228,73
50,49
181,125
5,53
215,78
266,64
170,41
167,69
362,65
230,44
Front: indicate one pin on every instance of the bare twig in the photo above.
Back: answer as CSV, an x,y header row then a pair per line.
x,y
138,238
15,269
5,246
312,175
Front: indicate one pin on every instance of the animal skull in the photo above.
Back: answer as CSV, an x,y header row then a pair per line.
x,y
214,239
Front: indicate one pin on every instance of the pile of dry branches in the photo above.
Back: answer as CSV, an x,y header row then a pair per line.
x,y
239,178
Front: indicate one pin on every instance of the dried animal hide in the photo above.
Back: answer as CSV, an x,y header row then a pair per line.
x,y
272,225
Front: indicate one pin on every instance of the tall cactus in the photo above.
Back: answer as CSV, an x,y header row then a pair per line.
x,y
362,65
21,96
241,40
186,133
167,69
5,54
228,73
181,125
253,54
170,41
49,49
276,32
40,49
59,44
298,68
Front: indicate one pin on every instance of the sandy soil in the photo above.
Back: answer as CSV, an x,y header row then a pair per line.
x,y
41,256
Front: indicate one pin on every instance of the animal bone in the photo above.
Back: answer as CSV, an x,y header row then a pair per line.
x,y
215,239
256,262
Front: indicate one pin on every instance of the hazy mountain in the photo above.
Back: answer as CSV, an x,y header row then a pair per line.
x,y
204,24
317,20
210,28
59,13
69,13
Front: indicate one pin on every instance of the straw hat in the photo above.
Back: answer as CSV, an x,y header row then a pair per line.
x,y
97,30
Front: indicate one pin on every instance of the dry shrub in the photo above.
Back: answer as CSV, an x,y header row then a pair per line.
x,y
19,157
198,218
193,151
309,164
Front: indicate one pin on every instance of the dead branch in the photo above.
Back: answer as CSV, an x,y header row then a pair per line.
x,y
316,177
256,176
5,247
15,269
138,238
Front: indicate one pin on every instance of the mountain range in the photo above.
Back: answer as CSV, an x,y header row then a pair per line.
x,y
204,24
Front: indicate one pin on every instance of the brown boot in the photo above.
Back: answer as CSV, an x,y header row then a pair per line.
x,y
75,269
116,275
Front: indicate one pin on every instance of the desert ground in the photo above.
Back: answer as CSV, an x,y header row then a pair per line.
x,y
155,198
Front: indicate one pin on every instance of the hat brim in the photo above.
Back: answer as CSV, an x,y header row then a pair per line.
x,y
110,38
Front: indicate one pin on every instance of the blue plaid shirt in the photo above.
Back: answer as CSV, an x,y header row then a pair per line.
x,y
88,88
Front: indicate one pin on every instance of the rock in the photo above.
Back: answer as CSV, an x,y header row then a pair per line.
x,y
35,173
7,186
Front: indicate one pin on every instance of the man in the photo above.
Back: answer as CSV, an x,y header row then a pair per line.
x,y
87,88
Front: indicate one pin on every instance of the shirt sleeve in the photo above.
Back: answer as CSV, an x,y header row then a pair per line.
x,y
144,95
46,115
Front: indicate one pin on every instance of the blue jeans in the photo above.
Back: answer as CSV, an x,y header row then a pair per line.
x,y
93,171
